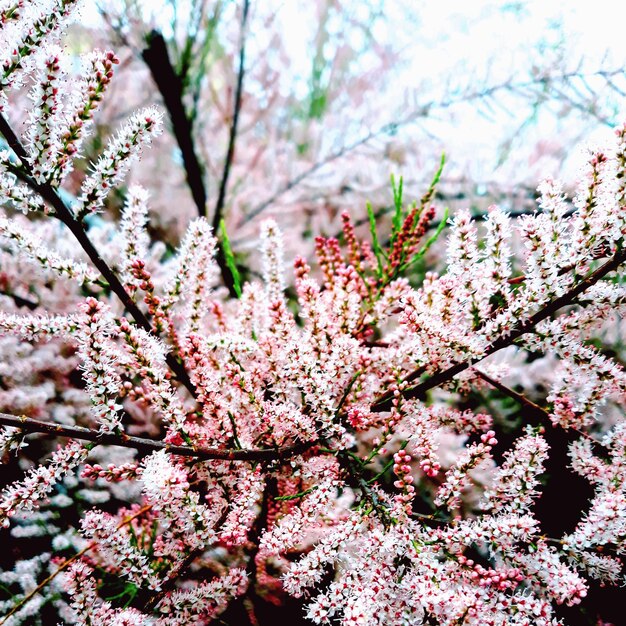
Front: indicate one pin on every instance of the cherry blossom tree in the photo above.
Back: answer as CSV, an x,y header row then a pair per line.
x,y
369,447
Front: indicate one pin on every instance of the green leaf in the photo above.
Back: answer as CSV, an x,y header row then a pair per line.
x,y
186,438
378,251
230,259
233,425
397,201
435,180
296,495
129,591
426,198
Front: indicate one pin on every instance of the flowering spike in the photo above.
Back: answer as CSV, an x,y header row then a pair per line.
x,y
35,250
117,159
272,250
96,76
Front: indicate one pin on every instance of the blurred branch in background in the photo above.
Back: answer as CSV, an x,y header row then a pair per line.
x,y
170,86
329,87
173,83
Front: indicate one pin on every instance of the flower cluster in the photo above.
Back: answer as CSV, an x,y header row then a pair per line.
x,y
343,441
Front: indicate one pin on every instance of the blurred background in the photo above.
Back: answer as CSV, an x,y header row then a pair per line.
x,y
334,96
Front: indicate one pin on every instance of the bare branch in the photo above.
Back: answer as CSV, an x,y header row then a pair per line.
x,y
422,112
19,301
528,404
387,129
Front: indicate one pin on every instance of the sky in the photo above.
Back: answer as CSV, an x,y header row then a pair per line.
x,y
459,41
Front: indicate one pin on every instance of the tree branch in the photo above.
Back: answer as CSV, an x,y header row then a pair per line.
x,y
296,180
230,153
65,215
531,406
422,112
19,301
384,403
67,563
170,86
30,425
535,409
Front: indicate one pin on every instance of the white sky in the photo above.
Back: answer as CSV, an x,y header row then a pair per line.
x,y
474,29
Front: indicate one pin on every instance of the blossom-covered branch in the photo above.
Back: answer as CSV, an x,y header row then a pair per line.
x,y
384,402
64,214
143,445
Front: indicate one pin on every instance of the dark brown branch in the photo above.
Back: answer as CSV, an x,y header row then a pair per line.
x,y
384,402
528,404
170,86
13,141
31,425
19,301
218,212
535,409
232,136
65,215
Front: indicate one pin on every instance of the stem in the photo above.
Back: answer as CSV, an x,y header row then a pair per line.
x,y
388,466
296,496
144,445
529,404
67,563
172,579
518,397
294,182
221,198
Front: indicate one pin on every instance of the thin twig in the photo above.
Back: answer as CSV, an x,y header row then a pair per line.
x,y
529,404
171,580
518,397
296,180
230,153
142,444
